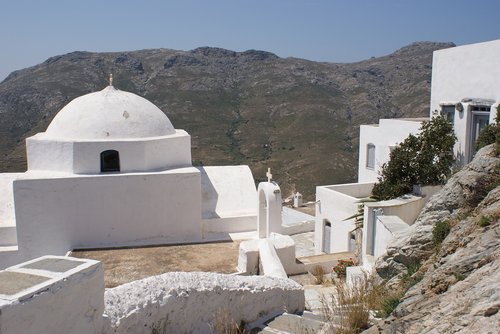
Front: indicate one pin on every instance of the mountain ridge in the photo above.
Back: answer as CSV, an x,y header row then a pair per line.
x,y
297,116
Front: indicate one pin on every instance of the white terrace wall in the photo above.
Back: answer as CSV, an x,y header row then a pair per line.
x,y
52,295
385,135
55,215
188,302
228,199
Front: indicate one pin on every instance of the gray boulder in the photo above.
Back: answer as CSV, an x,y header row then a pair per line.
x,y
461,194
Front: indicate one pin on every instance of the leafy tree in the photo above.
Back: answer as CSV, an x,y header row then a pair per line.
x,y
425,158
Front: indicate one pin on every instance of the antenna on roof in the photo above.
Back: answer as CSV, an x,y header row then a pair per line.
x,y
111,79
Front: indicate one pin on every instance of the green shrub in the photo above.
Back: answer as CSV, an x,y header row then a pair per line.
x,y
459,276
423,159
409,278
484,221
389,305
439,232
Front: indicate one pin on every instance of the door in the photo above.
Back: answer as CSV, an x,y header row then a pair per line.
x,y
327,235
479,121
373,230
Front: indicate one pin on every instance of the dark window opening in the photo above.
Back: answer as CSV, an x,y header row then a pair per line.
x,y
110,161
449,113
480,108
370,156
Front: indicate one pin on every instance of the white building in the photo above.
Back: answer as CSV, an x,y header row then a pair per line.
x,y
110,171
466,89
376,142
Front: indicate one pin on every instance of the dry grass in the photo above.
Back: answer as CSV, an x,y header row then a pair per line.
x,y
319,274
223,323
347,311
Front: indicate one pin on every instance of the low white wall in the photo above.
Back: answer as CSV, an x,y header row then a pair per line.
x,y
382,239
229,224
249,258
7,213
228,199
8,236
67,301
188,302
407,209
107,211
301,227
270,264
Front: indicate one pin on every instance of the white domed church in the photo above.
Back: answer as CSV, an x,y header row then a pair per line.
x,y
111,171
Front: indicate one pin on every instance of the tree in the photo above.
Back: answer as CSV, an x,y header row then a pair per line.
x,y
425,158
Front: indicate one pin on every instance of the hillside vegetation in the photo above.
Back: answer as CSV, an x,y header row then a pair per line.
x,y
299,117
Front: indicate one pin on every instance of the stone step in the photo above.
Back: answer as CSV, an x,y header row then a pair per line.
x,y
292,323
313,316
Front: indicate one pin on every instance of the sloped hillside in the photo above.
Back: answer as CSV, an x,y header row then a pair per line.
x,y
299,117
457,287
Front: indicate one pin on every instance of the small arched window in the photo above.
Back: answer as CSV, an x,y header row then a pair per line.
x,y
110,161
370,156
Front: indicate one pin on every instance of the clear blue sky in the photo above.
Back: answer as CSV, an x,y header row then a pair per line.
x,y
324,30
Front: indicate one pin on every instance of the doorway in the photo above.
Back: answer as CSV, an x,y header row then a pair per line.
x,y
479,121
327,235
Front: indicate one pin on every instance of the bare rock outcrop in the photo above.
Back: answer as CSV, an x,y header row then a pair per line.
x,y
462,193
459,290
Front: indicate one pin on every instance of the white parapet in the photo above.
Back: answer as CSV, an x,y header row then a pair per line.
x,y
189,302
248,261
52,294
269,261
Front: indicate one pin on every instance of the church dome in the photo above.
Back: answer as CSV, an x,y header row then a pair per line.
x,y
110,114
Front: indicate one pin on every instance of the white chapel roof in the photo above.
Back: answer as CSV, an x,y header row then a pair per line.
x,y
110,114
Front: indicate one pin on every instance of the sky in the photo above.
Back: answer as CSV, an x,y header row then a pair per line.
x,y
321,30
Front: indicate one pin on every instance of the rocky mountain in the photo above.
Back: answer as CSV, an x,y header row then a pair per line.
x,y
457,287
299,117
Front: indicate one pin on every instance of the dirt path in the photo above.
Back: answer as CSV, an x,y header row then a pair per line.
x,y
129,264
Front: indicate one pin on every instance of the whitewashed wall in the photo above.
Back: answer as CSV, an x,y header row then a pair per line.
x,y
468,71
55,215
68,301
188,302
84,157
389,132
228,198
337,203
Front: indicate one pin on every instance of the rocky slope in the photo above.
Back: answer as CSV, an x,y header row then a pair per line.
x,y
459,290
299,117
